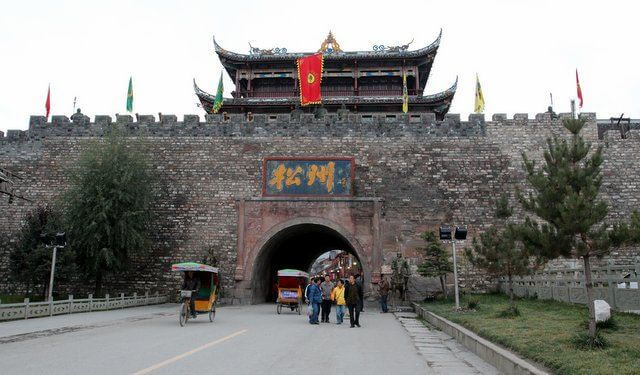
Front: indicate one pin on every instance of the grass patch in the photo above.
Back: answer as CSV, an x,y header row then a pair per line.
x,y
11,298
546,332
509,312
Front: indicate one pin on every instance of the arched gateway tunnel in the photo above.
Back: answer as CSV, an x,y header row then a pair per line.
x,y
297,247
278,233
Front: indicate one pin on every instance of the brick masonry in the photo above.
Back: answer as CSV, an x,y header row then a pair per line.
x,y
424,172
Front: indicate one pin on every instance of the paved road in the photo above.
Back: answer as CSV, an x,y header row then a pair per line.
x,y
242,340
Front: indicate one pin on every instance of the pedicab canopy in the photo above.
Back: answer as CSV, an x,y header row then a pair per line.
x,y
292,273
192,266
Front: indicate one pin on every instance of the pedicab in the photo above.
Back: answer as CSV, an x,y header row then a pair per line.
x,y
205,300
290,283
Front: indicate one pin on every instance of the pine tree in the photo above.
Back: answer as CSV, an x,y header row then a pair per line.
x,y
436,260
109,207
498,251
569,216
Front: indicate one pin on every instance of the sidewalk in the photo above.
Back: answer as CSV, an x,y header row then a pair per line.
x,y
443,354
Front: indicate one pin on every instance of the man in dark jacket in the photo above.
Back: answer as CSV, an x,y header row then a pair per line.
x,y
315,299
360,282
352,294
191,283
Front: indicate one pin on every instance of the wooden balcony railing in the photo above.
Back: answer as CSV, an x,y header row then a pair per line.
x,y
326,93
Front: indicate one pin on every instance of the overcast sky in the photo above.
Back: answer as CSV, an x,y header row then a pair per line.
x,y
522,50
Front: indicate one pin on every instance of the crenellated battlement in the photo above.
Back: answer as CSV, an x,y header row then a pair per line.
x,y
247,125
292,125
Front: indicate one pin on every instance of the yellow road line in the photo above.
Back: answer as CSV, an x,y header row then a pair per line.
x,y
186,354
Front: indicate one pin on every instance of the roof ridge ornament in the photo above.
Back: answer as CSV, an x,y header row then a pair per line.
x,y
330,44
383,48
272,51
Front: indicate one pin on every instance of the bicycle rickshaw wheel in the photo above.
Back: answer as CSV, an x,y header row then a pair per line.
x,y
212,312
184,314
279,309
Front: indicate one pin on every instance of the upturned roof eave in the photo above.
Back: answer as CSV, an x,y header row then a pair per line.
x,y
227,57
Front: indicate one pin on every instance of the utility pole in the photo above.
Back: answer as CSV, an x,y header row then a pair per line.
x,y
59,242
53,271
459,234
455,275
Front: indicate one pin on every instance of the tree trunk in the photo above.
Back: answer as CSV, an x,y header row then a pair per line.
x,y
589,286
443,283
512,303
98,285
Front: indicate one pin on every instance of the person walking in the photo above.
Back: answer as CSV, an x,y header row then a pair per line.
x,y
337,295
352,293
306,292
360,282
315,298
326,287
383,290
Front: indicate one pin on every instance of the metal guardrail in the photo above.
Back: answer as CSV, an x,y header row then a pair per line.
x,y
618,285
27,309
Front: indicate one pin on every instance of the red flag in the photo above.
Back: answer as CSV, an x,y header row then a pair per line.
x,y
579,89
47,104
310,77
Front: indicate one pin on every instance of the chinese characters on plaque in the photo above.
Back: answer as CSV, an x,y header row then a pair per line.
x,y
308,177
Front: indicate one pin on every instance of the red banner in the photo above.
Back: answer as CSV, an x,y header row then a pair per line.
x,y
578,88
310,77
47,104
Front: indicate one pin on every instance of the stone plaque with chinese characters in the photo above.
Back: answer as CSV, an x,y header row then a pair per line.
x,y
284,176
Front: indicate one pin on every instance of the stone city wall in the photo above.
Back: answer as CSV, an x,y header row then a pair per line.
x,y
427,172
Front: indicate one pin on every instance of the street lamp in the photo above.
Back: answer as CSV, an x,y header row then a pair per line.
x,y
460,234
57,241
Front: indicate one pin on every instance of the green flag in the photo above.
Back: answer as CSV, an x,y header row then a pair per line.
x,y
217,104
130,96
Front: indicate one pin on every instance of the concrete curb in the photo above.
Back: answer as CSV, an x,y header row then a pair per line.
x,y
502,359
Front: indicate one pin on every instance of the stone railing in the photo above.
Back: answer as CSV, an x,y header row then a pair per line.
x,y
26,310
618,285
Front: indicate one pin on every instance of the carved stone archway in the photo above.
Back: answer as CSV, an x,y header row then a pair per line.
x,y
266,225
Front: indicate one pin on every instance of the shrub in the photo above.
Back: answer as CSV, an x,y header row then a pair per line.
x,y
509,312
473,305
584,341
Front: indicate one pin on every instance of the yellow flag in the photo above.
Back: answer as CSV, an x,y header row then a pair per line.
x,y
478,106
405,94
